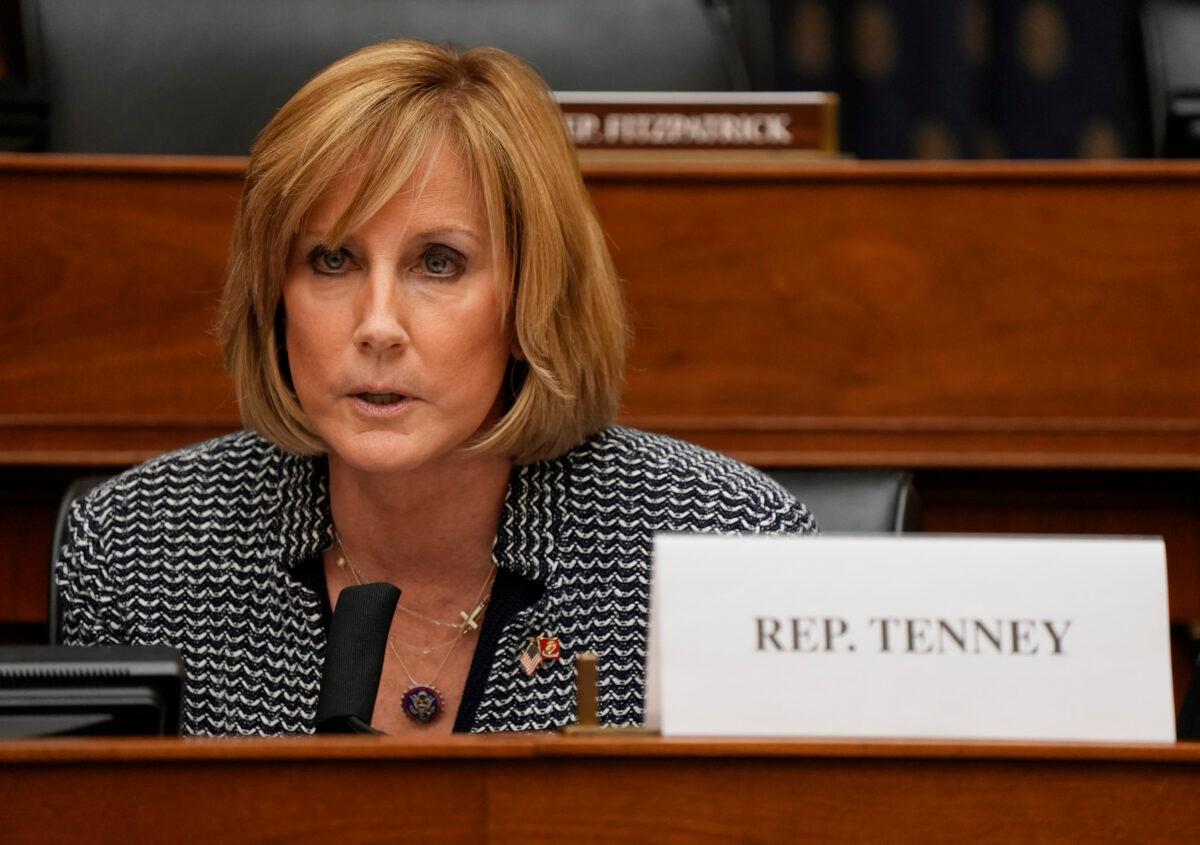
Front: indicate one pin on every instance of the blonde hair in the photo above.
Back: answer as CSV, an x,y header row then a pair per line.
x,y
383,107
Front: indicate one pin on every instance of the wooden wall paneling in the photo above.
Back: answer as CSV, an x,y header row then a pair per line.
x,y
927,317
834,314
108,352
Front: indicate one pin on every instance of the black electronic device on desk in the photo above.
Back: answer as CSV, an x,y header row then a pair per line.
x,y
90,691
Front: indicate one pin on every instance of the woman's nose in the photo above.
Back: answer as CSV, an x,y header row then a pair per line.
x,y
380,319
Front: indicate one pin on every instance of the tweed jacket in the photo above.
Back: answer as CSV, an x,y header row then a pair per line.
x,y
199,548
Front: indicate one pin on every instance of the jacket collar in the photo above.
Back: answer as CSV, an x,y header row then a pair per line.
x,y
526,538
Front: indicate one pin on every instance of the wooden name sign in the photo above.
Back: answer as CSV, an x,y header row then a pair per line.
x,y
795,122
911,637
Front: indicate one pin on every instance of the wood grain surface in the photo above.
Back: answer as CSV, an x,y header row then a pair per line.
x,y
1022,334
812,314
549,789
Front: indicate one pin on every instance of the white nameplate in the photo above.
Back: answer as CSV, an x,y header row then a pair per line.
x,y
911,637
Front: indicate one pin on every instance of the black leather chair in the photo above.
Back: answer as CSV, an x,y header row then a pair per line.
x,y
23,109
1170,44
855,501
79,487
178,76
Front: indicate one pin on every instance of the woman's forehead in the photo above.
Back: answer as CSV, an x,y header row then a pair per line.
x,y
441,190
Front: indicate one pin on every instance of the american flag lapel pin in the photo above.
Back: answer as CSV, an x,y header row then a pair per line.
x,y
531,657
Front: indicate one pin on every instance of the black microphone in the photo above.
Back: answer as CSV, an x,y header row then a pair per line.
x,y
357,644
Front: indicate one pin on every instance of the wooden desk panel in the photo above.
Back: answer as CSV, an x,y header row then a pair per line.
x,y
109,312
833,314
549,789
920,316
1001,317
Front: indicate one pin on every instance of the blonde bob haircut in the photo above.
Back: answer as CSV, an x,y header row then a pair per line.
x,y
378,113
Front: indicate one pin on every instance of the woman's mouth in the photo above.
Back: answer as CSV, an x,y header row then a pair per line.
x,y
381,404
380,398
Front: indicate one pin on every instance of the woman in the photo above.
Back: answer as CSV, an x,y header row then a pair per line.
x,y
426,335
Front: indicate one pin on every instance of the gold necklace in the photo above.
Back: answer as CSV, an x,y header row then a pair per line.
x,y
422,703
425,650
466,623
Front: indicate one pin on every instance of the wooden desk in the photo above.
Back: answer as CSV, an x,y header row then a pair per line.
x,y
1023,335
530,789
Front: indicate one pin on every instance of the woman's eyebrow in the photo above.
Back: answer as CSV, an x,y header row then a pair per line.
x,y
448,229
429,233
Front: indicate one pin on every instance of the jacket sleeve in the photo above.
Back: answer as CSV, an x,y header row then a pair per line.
x,y
782,514
87,598
754,503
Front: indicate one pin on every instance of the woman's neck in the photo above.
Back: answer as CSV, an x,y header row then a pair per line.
x,y
429,529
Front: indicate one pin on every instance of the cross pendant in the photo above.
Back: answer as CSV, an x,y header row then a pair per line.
x,y
468,622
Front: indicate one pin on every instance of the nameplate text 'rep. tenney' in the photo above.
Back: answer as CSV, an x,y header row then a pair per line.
x,y
911,637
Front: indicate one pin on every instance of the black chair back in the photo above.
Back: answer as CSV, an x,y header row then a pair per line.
x,y
181,77
23,108
1170,31
855,501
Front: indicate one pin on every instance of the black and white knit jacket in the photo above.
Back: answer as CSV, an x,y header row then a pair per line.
x,y
198,549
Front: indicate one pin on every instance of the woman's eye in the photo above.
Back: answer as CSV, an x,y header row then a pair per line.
x,y
442,262
329,262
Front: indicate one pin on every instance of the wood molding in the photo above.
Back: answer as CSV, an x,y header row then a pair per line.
x,y
528,788
528,746
811,170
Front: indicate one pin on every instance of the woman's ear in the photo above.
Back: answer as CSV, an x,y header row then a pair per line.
x,y
517,353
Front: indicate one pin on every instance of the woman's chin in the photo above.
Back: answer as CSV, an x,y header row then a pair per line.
x,y
382,452
391,453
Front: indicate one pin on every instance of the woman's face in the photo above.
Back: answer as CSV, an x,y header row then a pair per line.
x,y
394,336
